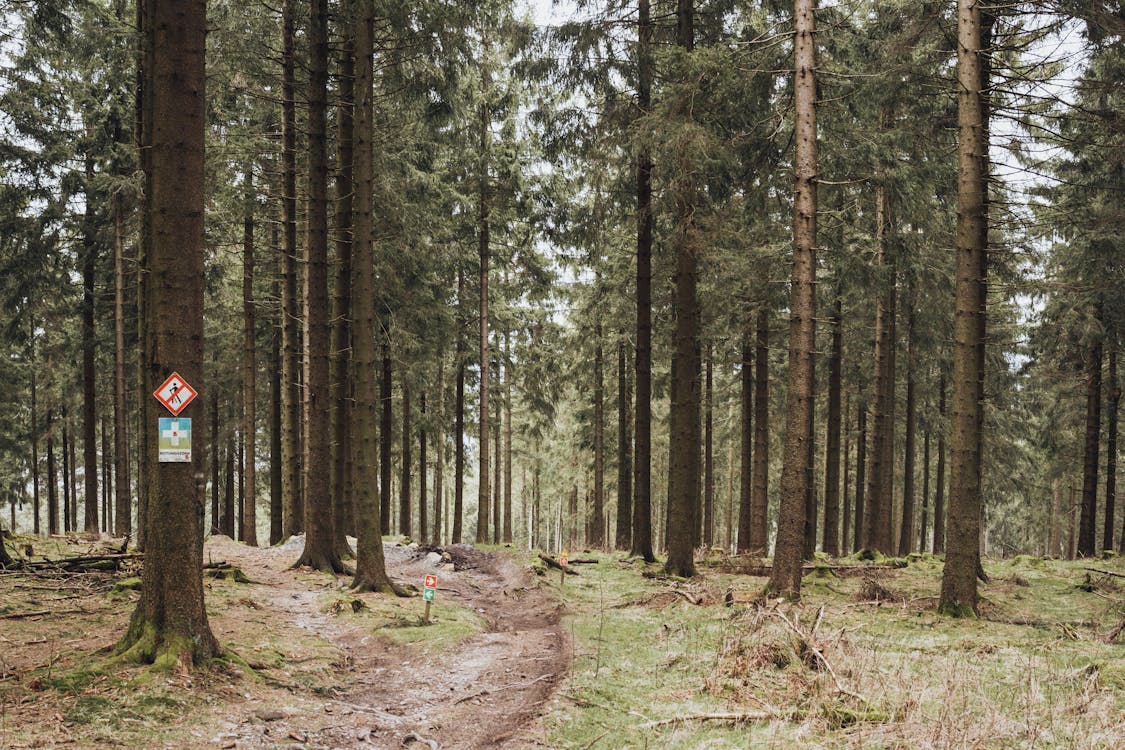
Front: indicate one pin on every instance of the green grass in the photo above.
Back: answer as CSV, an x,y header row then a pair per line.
x,y
1032,671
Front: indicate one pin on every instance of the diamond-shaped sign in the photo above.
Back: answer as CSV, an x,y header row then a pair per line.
x,y
175,393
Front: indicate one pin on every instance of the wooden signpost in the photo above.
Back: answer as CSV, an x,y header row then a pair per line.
x,y
429,586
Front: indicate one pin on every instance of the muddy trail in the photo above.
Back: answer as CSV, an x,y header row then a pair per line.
x,y
324,676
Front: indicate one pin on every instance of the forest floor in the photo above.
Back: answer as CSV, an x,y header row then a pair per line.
x,y
328,668
615,656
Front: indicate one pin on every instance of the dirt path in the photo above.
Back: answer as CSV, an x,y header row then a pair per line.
x,y
322,678
485,691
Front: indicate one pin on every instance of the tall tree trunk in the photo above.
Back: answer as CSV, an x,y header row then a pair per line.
x,y
598,538
52,480
623,537
1054,535
683,462
439,454
107,482
321,552
67,516
959,579
642,464
339,380
759,499
276,492
293,493
1087,524
939,475
483,240
924,521
846,515
708,453
143,132
228,525
507,539
497,479
36,528
370,566
880,470
1112,405
860,477
89,347
386,431
459,418
169,626
249,368
907,538
123,517
214,454
746,439
809,549
405,517
786,574
832,433
423,510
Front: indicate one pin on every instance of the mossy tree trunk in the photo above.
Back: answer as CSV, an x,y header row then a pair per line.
x,y
169,626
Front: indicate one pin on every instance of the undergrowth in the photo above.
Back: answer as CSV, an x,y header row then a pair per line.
x,y
862,661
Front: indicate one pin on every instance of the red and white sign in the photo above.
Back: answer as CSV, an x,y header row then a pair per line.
x,y
175,393
430,582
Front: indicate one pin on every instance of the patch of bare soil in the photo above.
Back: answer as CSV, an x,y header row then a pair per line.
x,y
321,679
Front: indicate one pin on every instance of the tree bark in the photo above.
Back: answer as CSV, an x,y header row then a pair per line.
x,y
708,453
597,539
846,515
52,480
683,463
321,552
169,626
483,249
423,510
405,517
832,433
907,538
959,579
1087,523
924,521
439,454
746,440
89,350
123,517
623,537
860,477
386,431
292,491
642,465
786,576
507,539
276,492
939,475
214,455
880,471
1112,406
340,396
459,417
759,499
370,568
249,368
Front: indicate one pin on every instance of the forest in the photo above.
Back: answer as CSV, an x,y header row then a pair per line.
x,y
779,337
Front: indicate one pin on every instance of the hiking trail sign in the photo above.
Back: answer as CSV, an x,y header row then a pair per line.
x,y
175,393
174,436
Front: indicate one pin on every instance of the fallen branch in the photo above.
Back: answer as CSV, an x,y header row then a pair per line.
x,y
1105,572
739,718
584,561
552,562
509,686
79,561
807,640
